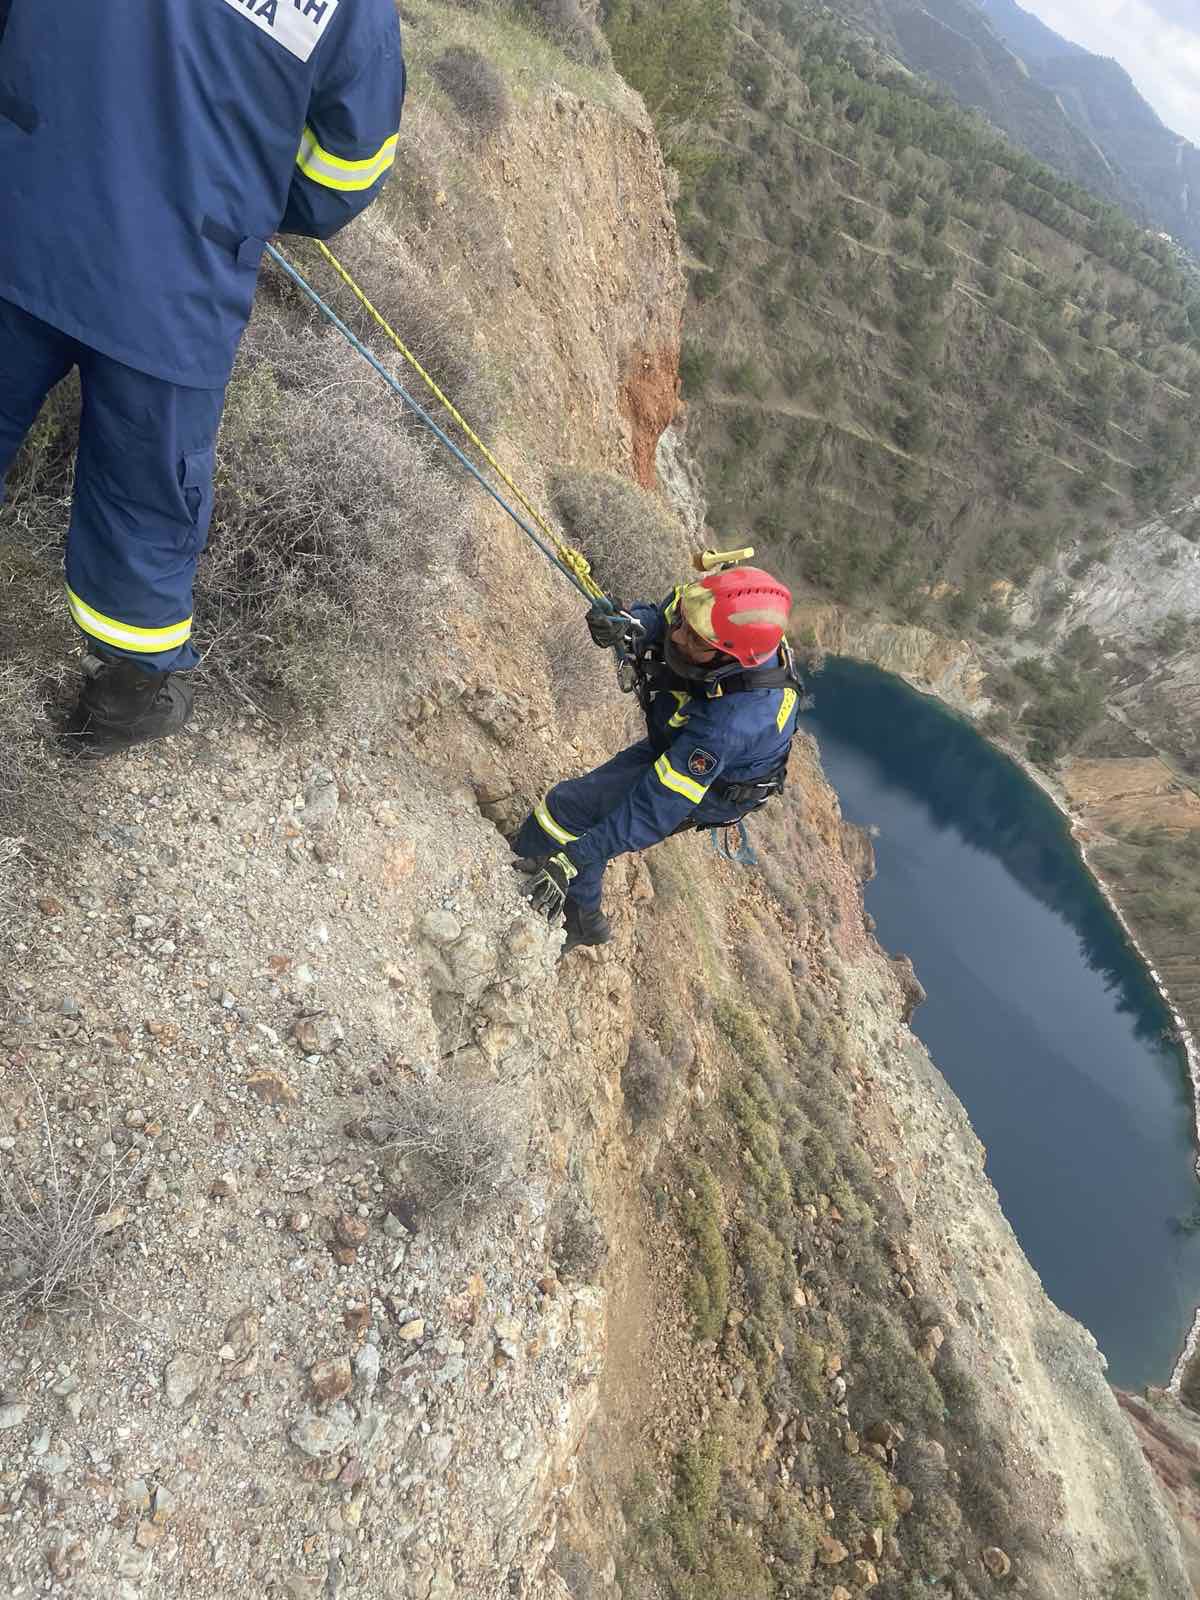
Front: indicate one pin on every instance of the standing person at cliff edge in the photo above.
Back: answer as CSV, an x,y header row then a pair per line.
x,y
721,694
148,148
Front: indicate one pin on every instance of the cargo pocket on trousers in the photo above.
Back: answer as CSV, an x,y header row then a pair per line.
x,y
196,480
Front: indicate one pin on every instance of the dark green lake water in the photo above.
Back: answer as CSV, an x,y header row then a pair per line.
x,y
1040,1015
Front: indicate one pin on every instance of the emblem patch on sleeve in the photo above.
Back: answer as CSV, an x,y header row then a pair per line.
x,y
701,763
295,24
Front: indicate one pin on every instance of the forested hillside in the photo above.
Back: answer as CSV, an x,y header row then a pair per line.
x,y
1154,169
916,359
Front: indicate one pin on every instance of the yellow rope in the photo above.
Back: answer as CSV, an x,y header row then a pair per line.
x,y
575,559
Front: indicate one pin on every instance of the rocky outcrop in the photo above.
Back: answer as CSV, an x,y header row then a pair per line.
x,y
1148,574
1169,1434
949,668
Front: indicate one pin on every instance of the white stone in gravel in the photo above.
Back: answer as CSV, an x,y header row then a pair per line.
x,y
12,1416
320,799
42,1443
440,927
183,1380
323,1436
366,1371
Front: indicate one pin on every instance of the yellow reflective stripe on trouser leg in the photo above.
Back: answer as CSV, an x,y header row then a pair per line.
x,y
785,710
107,629
548,825
332,172
687,787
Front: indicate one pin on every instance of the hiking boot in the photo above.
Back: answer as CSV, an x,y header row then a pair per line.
x,y
584,927
121,704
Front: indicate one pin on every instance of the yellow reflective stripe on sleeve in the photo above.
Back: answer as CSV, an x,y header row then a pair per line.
x,y
110,631
669,613
676,781
547,823
323,167
785,710
677,718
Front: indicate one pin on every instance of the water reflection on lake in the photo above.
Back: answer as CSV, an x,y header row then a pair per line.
x,y
1039,1015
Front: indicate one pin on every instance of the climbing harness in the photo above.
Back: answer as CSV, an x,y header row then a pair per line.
x,y
573,564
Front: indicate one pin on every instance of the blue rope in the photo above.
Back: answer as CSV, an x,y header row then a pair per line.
x,y
326,311
745,855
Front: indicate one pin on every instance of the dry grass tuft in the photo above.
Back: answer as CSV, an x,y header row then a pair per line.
x,y
457,1141
635,545
476,88
54,1220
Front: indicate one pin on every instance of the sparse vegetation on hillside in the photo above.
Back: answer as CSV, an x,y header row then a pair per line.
x,y
799,1282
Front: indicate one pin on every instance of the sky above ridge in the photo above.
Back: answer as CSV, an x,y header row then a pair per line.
x,y
1156,41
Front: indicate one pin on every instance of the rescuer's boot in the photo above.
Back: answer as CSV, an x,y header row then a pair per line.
x,y
584,927
121,704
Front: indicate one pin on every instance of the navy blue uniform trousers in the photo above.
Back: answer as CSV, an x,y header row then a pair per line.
x,y
579,804
143,488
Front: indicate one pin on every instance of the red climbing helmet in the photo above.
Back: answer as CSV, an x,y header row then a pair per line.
x,y
743,611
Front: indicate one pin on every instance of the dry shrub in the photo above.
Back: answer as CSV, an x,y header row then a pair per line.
x,y
578,670
457,1141
635,545
576,35
38,656
646,1082
338,530
418,305
577,1573
476,88
39,483
56,1213
577,1243
766,976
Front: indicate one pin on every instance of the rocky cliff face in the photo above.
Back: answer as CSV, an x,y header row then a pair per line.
x,y
1147,578
950,668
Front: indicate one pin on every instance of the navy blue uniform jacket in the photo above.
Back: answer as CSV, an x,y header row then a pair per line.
x,y
698,736
148,148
